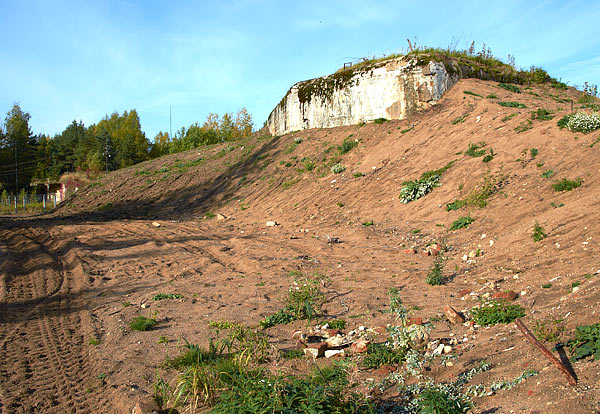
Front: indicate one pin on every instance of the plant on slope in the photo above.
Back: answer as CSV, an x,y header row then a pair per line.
x,y
436,274
496,311
567,185
538,233
461,223
584,122
586,342
413,190
141,323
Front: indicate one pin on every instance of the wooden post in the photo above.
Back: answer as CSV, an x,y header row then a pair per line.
x,y
570,378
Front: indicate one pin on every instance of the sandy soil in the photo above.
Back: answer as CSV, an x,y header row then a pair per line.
x,y
71,281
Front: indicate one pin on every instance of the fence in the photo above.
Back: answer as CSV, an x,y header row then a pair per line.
x,y
26,203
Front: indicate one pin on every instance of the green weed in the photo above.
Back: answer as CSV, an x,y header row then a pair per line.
x,y
567,185
496,311
547,174
413,190
461,223
347,145
538,233
510,87
512,104
436,274
141,323
475,150
586,342
161,296
472,93
379,121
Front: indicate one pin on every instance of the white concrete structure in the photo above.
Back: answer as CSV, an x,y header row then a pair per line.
x,y
389,89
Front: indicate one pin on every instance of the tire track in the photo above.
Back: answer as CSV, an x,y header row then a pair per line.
x,y
45,367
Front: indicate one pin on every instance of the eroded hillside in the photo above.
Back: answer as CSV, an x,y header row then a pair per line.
x,y
193,225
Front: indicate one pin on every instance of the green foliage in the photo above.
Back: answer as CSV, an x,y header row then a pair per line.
x,y
538,233
567,185
304,300
308,164
508,117
586,342
161,296
347,145
93,341
488,158
367,223
459,119
509,87
380,121
492,96
413,190
547,174
461,223
291,353
475,151
455,205
17,151
358,174
339,324
337,168
546,285
524,126
437,401
563,122
512,104
141,323
436,274
379,354
583,122
496,311
542,114
472,93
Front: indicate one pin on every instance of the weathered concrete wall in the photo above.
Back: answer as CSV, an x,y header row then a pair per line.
x,y
390,89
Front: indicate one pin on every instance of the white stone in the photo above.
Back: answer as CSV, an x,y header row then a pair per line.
x,y
156,224
333,352
447,349
271,223
438,350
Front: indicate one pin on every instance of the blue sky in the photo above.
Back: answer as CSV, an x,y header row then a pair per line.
x,y
84,59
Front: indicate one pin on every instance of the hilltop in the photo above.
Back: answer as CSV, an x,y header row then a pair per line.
x,y
194,224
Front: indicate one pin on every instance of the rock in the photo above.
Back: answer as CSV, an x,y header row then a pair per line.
x,y
464,292
452,315
156,224
509,295
220,217
472,254
433,249
447,349
409,251
320,347
145,408
298,334
465,258
449,363
332,332
415,321
271,223
337,341
359,346
333,352
144,306
361,328
438,350
575,289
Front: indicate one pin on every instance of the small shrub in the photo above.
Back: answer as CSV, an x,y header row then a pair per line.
x,y
435,276
208,215
291,353
297,140
538,233
472,93
337,168
379,121
547,174
161,296
93,341
492,96
488,157
533,152
512,104
339,324
584,122
475,151
546,285
524,126
455,205
509,87
382,354
508,117
438,401
586,342
461,223
542,114
347,145
308,164
459,119
496,311
567,185
367,223
358,174
413,190
563,122
141,323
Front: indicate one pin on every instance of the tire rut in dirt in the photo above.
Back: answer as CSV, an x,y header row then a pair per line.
x,y
45,366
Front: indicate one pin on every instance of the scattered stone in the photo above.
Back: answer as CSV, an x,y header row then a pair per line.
x,y
156,224
145,408
298,334
144,306
575,289
409,251
333,352
449,363
433,249
465,258
332,332
438,350
359,346
271,223
464,292
361,328
415,321
337,341
220,217
510,295
452,315
472,254
317,349
447,349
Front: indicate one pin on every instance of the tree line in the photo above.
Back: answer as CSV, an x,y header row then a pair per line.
x,y
117,141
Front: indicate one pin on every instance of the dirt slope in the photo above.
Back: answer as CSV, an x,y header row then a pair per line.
x,y
66,276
